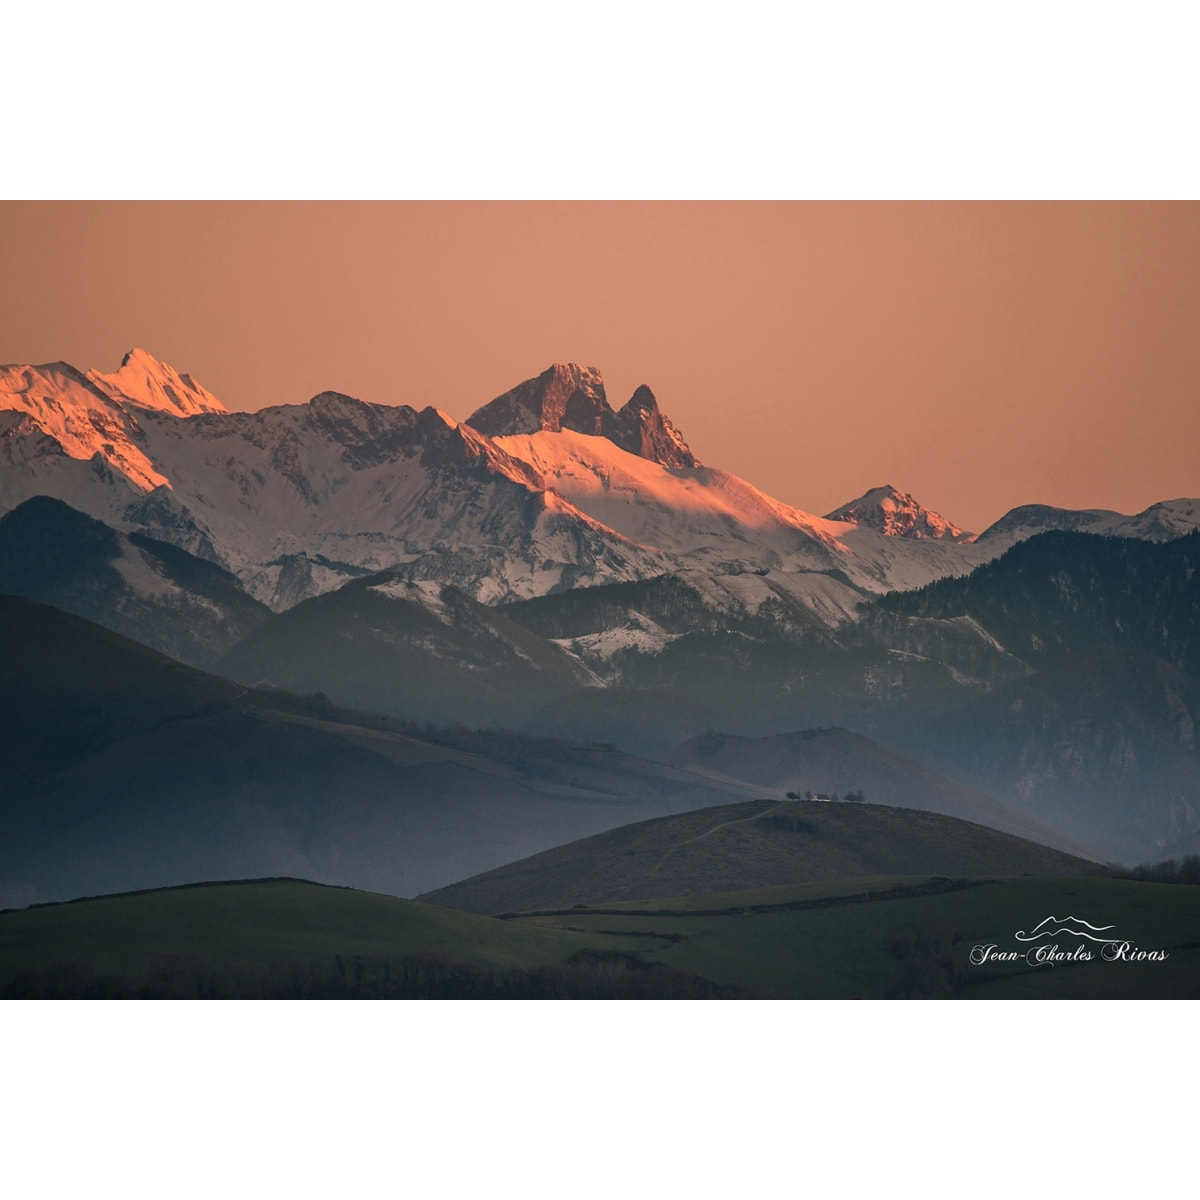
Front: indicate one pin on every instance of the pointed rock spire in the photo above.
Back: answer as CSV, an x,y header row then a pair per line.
x,y
645,431
568,396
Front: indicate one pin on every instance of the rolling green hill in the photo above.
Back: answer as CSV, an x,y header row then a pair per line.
x,y
288,938
263,922
756,844
880,937
837,760
912,937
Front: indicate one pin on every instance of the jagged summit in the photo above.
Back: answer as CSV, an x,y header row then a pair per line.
x,y
296,499
568,396
896,514
564,396
151,383
643,430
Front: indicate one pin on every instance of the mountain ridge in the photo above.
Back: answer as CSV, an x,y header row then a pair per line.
x,y
544,489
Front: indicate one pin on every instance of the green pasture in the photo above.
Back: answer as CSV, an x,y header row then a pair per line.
x,y
840,940
847,949
266,922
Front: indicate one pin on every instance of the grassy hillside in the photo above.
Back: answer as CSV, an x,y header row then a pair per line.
x,y
837,760
262,921
880,937
912,938
756,844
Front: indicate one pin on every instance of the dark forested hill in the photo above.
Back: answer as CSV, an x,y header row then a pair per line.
x,y
1064,592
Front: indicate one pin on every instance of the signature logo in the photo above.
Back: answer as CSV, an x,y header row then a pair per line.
x,y
1087,941
1053,926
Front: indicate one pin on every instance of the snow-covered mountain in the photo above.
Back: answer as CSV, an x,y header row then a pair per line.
x,y
897,514
297,499
544,489
149,383
54,411
1161,522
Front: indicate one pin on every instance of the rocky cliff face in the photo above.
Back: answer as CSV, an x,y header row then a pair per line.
x,y
643,430
564,396
567,396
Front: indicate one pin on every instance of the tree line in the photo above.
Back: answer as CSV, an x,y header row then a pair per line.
x,y
1171,870
858,797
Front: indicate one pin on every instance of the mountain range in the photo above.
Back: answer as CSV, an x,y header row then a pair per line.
x,y
555,567
543,489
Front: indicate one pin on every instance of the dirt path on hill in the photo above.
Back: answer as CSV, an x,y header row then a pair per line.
x,y
726,824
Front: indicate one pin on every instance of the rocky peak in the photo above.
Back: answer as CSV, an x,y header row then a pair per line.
x,y
896,514
643,400
564,396
643,430
337,403
568,396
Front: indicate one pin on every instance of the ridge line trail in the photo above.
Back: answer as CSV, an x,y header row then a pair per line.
x,y
726,824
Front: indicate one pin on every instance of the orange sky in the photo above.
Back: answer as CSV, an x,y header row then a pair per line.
x,y
979,356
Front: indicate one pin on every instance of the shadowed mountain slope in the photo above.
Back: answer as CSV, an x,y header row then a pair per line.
x,y
148,590
418,651
124,769
832,761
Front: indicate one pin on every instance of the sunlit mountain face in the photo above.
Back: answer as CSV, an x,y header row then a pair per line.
x,y
544,488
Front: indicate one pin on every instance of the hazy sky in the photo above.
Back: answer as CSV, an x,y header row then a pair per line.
x,y
979,356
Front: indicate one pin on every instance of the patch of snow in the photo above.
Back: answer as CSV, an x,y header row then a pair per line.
x,y
969,623
639,633
139,576
426,593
